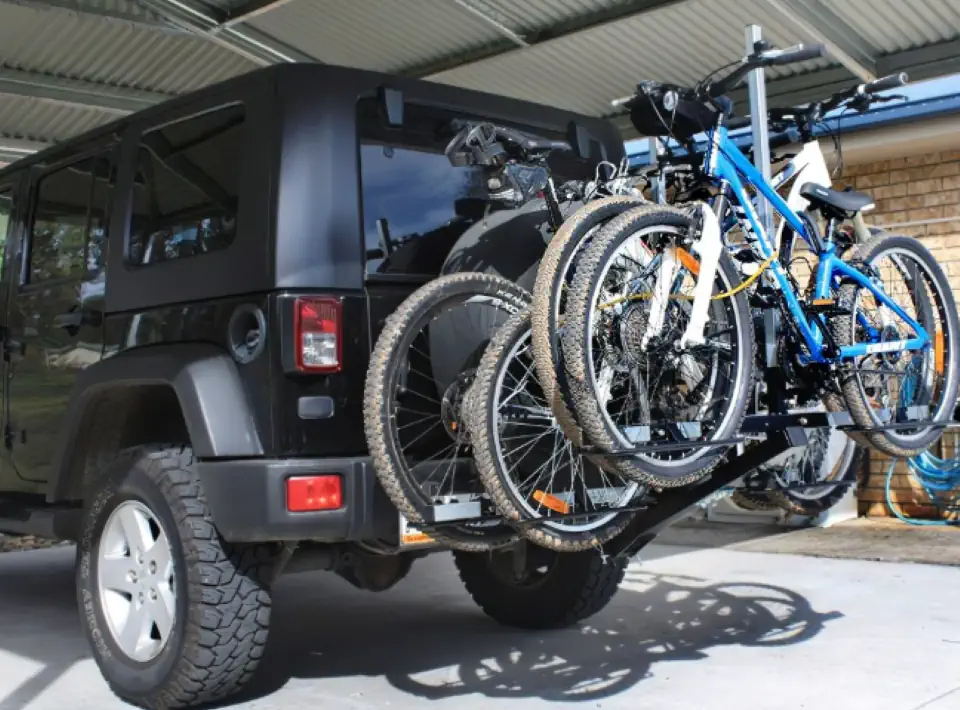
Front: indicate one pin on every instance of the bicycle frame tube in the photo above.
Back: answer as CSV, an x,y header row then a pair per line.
x,y
830,270
724,162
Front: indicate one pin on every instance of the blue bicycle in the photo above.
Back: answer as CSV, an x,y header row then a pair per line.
x,y
658,343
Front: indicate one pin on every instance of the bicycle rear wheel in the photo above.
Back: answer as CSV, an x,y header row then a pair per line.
x,y
527,465
423,363
881,389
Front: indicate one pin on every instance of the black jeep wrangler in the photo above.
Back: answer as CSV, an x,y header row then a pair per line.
x,y
189,297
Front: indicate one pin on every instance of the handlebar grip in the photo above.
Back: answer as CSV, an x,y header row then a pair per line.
x,y
887,82
801,54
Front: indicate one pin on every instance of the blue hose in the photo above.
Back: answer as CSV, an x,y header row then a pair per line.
x,y
940,479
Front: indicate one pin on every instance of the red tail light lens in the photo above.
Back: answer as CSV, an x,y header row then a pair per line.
x,y
311,493
317,332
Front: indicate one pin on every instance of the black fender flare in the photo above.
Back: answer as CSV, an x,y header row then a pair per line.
x,y
206,382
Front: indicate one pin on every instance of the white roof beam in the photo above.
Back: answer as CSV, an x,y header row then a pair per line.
x,y
474,7
83,8
12,149
249,10
841,41
249,42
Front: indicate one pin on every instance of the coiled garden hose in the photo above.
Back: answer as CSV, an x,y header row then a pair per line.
x,y
940,479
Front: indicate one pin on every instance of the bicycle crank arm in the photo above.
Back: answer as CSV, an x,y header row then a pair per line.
x,y
708,246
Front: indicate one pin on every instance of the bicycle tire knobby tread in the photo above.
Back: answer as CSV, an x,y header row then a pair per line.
x,y
479,403
843,330
375,410
585,403
549,281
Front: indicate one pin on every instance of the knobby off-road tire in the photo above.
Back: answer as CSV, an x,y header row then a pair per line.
x,y
812,507
222,590
890,442
596,425
792,502
753,500
557,260
574,587
481,403
394,341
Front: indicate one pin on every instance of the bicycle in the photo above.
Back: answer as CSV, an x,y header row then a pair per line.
x,y
822,327
435,346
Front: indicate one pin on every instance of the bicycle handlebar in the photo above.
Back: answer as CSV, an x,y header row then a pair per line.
x,y
767,58
892,81
488,145
799,53
528,144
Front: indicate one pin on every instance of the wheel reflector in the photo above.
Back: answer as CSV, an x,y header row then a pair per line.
x,y
551,502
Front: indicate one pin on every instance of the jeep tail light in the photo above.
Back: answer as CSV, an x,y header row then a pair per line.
x,y
317,332
311,493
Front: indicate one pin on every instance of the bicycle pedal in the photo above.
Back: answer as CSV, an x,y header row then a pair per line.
x,y
826,307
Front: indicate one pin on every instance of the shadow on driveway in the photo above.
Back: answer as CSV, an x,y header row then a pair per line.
x,y
425,636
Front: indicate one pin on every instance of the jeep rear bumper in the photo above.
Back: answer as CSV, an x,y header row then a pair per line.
x,y
248,501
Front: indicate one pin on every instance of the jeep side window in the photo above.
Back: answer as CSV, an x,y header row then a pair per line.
x,y
186,187
68,227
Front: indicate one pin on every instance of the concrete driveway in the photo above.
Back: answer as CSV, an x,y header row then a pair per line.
x,y
691,629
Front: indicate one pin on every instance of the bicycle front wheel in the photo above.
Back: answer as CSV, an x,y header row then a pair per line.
x,y
628,396
537,477
421,368
554,277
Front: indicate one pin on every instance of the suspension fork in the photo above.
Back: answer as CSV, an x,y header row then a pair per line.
x,y
709,245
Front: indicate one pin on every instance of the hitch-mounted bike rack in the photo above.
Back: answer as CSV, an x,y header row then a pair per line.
x,y
782,433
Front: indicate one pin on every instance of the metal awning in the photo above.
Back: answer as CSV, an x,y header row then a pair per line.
x,y
69,65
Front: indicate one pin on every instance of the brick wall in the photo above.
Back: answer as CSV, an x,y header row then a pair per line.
x,y
923,188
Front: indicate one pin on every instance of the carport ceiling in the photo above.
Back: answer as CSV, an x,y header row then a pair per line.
x,y
69,65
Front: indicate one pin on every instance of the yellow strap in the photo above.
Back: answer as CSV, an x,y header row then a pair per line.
x,y
682,297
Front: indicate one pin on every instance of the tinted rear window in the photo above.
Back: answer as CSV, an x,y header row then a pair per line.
x,y
415,203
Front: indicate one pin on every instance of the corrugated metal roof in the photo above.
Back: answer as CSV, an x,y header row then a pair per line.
x,y
84,47
38,120
585,71
385,35
578,58
894,25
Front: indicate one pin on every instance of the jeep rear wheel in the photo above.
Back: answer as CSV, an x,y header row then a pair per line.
x,y
176,616
531,587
